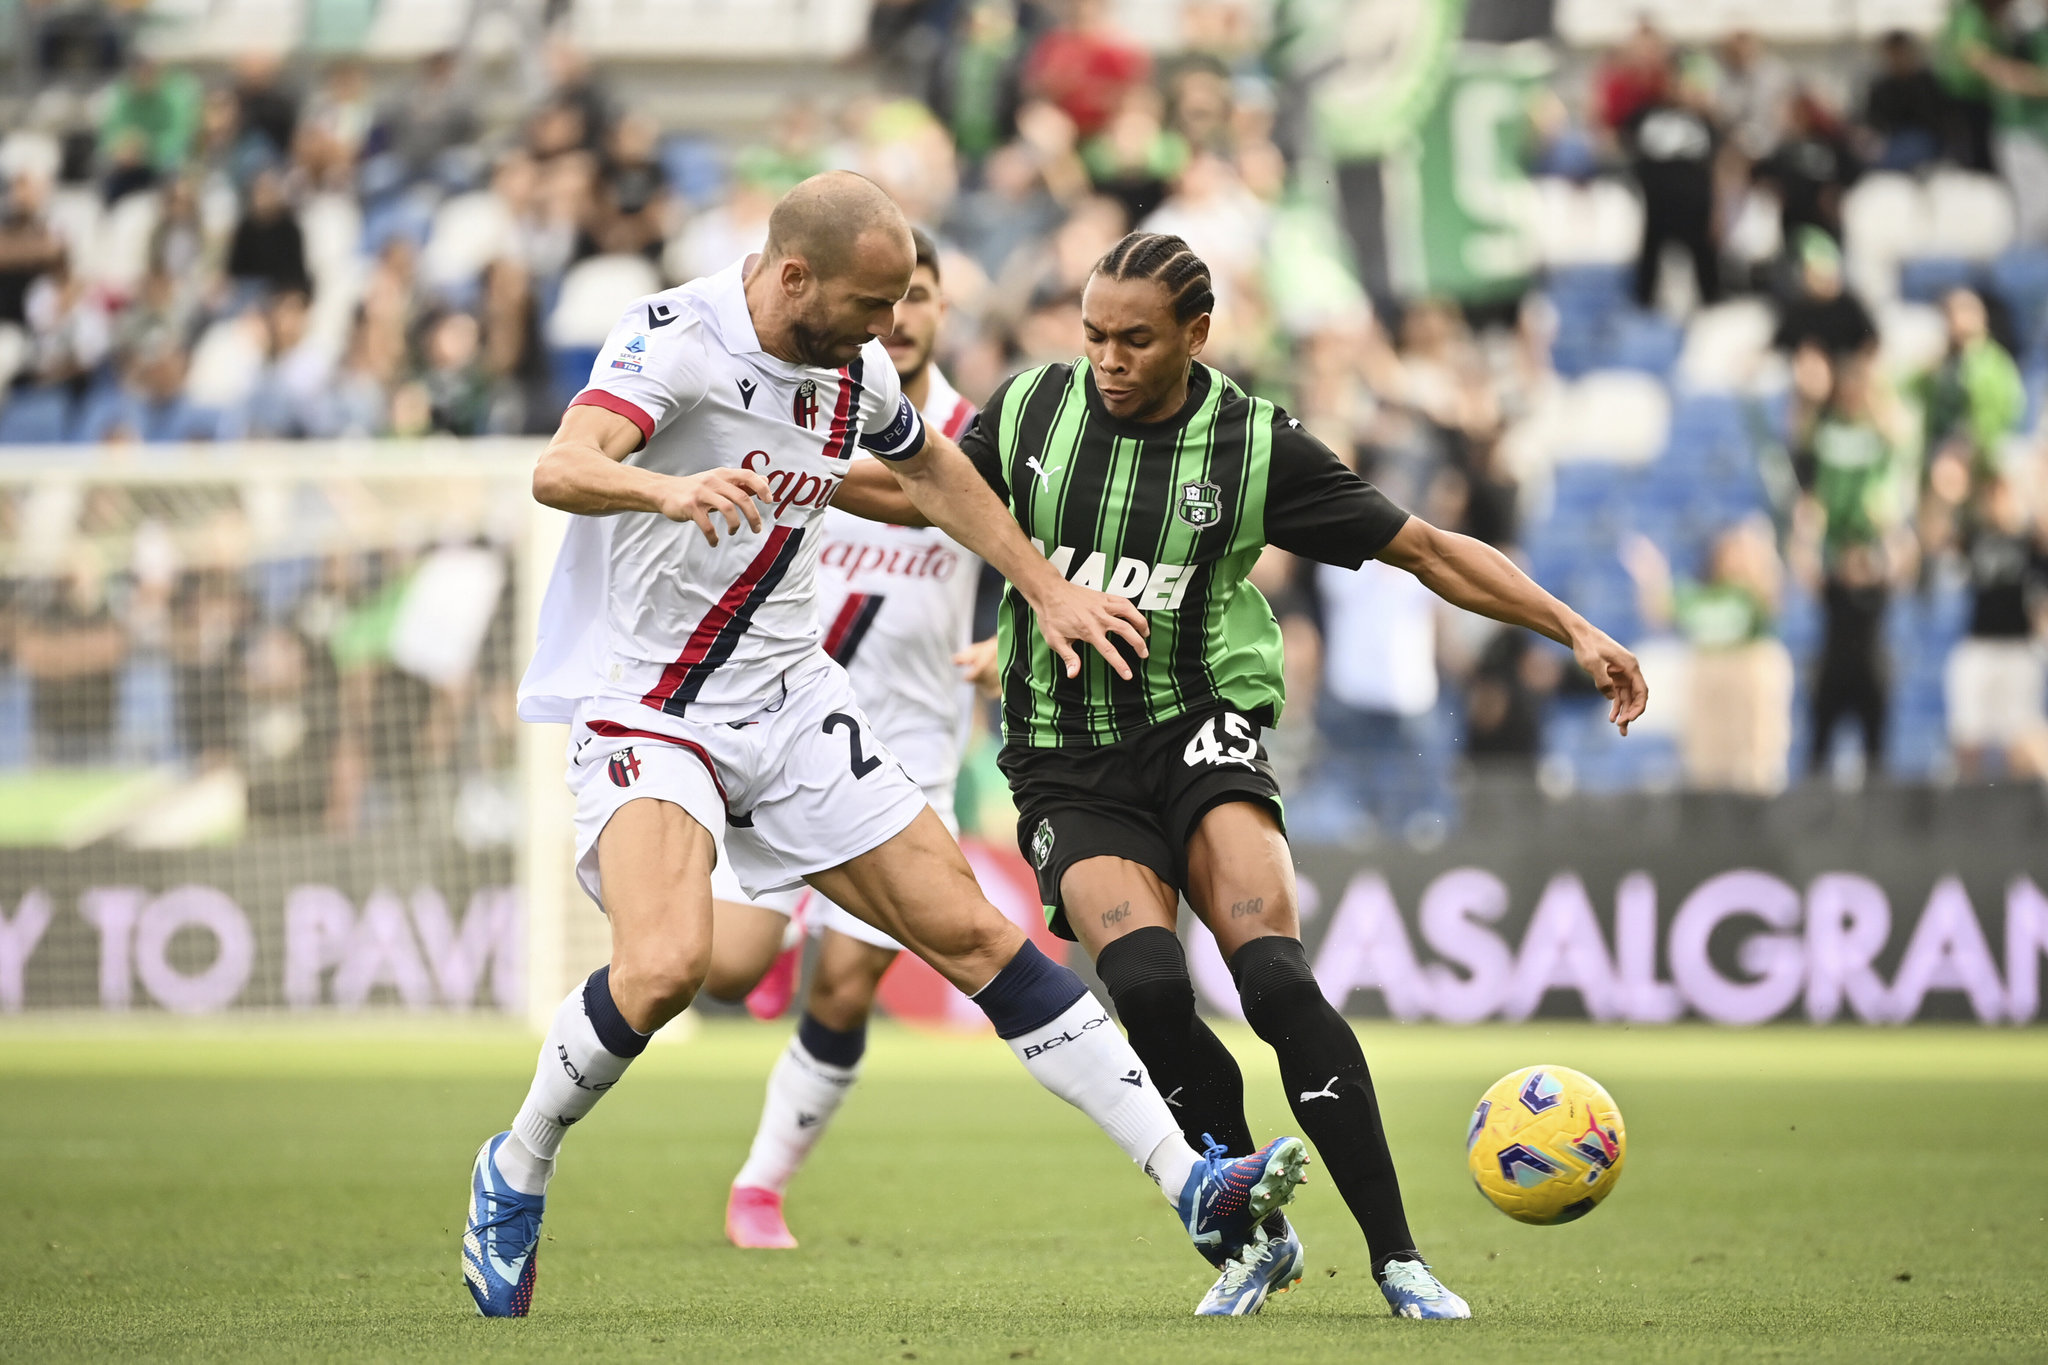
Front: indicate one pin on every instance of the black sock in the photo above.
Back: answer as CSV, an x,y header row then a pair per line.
x,y
1146,974
1328,1086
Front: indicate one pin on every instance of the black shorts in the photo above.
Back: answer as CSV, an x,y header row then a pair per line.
x,y
1139,799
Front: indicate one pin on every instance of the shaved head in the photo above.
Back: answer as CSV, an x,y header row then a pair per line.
x,y
824,219
839,258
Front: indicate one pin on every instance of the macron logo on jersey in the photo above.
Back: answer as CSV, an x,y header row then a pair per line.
x,y
1151,587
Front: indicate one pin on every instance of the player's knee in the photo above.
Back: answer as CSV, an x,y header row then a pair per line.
x,y
659,982
1274,982
841,1003
1146,974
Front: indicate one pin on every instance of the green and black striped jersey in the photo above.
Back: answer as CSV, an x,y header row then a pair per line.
x,y
1172,515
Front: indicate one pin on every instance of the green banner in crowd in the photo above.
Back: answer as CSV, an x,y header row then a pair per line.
x,y
1375,66
1461,204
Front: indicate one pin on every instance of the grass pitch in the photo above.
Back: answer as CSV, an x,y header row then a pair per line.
x,y
283,1193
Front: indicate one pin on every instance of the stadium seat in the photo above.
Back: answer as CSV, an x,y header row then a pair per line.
x,y
120,251
595,291
1924,279
30,152
1969,215
469,232
409,214
1911,336
1596,223
1614,417
416,28
1884,221
2020,277
146,722
35,416
694,168
1726,346
570,366
17,720
227,360
1645,341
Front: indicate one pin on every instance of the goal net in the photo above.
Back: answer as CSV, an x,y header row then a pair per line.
x,y
257,741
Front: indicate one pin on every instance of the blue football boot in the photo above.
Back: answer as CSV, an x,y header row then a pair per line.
x,y
1226,1198
1267,1265
502,1242
1413,1292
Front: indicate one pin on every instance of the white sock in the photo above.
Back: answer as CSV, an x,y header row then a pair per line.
x,y
1085,1059
574,1071
803,1095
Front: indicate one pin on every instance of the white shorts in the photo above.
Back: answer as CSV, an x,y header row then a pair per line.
x,y
799,786
1994,692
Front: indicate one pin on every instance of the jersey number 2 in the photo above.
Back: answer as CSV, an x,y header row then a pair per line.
x,y
863,764
1206,748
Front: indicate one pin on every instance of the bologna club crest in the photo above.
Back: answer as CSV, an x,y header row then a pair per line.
x,y
625,766
807,404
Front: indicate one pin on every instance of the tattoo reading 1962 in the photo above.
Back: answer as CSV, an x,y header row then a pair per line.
x,y
1246,909
1116,914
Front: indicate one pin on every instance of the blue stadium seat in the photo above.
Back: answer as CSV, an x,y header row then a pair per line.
x,y
1649,342
146,726
35,417
2020,276
694,167
570,366
1926,279
17,720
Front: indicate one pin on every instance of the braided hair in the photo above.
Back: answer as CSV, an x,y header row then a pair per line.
x,y
1166,258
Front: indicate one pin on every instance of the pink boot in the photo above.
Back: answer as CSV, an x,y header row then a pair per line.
x,y
753,1218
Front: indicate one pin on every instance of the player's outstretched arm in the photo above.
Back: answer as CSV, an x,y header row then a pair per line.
x,y
583,471
869,490
1471,574
950,493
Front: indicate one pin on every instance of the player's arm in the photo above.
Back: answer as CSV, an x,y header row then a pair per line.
x,y
950,493
1318,508
1473,575
869,490
583,470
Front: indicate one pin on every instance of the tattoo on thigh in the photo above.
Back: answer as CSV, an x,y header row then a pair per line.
x,y
1116,914
1248,909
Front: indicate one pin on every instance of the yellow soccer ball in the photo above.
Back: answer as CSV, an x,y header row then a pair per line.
x,y
1546,1144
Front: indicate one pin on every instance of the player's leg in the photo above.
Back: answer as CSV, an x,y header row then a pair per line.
x,y
808,1084
745,940
1241,882
1123,913
652,860
917,888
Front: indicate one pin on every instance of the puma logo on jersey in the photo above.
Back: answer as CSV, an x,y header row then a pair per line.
x,y
1044,474
1151,587
747,387
1328,1092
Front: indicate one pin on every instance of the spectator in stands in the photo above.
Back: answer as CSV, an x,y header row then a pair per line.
x,y
1995,680
70,330
1851,541
1971,403
977,79
1635,75
71,648
1824,314
1012,208
1504,699
1972,29
1811,168
522,401
341,112
430,119
178,245
453,380
152,116
633,202
1086,66
1994,44
1672,141
151,405
28,246
209,621
295,396
1914,121
1136,157
1751,89
265,110
268,251
1736,732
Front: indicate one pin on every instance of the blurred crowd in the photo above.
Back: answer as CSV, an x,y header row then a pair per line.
x,y
291,250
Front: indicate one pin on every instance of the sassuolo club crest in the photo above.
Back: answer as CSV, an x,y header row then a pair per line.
x,y
1201,504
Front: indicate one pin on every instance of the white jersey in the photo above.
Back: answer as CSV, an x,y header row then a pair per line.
x,y
644,609
897,603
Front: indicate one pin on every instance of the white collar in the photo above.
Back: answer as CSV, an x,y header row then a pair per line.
x,y
727,293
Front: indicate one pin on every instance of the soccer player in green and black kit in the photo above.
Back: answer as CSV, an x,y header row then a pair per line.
x,y
1145,473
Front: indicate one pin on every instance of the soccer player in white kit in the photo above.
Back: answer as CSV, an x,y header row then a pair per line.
x,y
683,652
896,605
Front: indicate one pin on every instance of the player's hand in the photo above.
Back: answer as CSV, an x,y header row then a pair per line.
x,y
978,665
1616,673
1069,615
719,493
